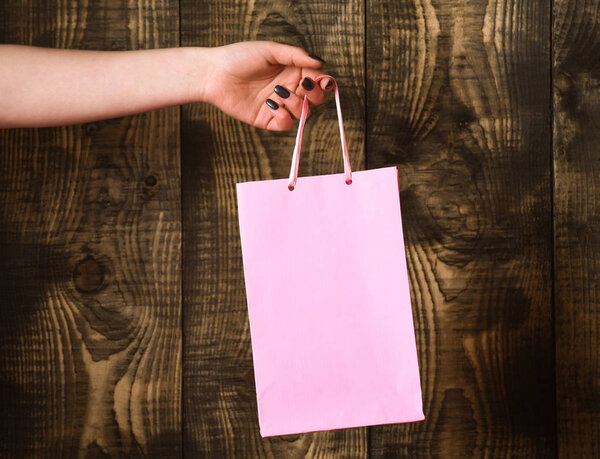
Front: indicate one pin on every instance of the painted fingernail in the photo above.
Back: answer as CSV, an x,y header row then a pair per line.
x,y
307,84
281,92
317,58
329,85
272,104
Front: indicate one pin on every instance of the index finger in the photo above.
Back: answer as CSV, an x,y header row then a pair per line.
x,y
278,53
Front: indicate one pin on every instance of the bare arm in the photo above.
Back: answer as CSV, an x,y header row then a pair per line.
x,y
48,87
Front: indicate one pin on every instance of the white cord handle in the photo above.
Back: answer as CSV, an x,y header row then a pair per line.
x,y
297,147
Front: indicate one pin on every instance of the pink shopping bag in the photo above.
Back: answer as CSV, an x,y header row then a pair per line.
x,y
328,298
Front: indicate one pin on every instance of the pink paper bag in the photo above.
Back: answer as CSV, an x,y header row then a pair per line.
x,y
328,299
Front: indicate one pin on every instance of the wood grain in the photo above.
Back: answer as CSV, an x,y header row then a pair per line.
x,y
576,90
458,97
90,236
220,415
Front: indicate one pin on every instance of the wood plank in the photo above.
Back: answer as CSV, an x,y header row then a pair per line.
x,y
220,417
90,236
576,71
457,97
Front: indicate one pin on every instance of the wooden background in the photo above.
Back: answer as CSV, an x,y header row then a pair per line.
x,y
123,324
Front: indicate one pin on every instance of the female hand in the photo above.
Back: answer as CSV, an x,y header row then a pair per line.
x,y
52,87
262,83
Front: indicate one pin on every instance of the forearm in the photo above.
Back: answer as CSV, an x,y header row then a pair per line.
x,y
50,87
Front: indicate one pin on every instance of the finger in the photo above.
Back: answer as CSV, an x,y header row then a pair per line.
x,y
326,84
278,53
289,100
307,87
281,119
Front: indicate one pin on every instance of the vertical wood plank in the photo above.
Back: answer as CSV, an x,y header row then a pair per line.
x,y
90,236
576,91
220,415
458,96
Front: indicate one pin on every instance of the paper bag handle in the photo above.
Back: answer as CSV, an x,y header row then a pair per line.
x,y
303,116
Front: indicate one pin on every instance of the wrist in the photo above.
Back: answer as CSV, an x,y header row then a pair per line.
x,y
200,71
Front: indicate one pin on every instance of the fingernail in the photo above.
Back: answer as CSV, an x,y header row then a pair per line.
x,y
329,85
317,58
272,104
281,92
307,84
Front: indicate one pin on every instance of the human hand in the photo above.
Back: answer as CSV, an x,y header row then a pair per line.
x,y
243,77
237,78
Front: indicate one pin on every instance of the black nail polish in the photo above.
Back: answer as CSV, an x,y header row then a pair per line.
x,y
307,84
272,104
317,58
329,85
281,92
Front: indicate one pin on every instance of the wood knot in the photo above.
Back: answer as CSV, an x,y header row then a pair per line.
x,y
563,83
289,438
89,275
151,180
91,129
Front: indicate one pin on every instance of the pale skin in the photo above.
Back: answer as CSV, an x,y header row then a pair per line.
x,y
43,87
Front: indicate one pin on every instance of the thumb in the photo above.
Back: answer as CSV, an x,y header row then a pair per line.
x,y
278,53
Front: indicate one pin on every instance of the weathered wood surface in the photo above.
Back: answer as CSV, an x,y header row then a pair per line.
x,y
459,95
576,90
219,400
90,236
458,98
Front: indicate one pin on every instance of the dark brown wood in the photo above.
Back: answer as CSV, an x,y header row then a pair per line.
x,y
220,417
458,97
576,68
90,236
